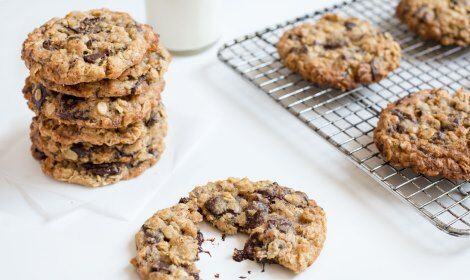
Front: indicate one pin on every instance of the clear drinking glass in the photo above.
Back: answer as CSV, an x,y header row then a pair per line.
x,y
185,26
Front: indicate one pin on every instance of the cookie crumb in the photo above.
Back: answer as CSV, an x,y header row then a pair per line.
x,y
223,236
216,275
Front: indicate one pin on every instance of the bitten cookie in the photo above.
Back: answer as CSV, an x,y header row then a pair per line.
x,y
86,46
339,52
107,112
285,226
140,78
429,132
70,134
444,21
168,244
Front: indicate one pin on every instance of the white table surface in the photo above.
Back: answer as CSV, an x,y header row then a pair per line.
x,y
371,234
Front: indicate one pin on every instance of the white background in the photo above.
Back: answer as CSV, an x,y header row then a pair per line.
x,y
371,235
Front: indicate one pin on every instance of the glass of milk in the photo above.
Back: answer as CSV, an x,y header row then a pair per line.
x,y
185,26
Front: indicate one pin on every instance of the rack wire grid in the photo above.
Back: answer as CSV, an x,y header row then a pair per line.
x,y
347,119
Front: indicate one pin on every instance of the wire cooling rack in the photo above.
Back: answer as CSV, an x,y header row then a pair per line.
x,y
347,119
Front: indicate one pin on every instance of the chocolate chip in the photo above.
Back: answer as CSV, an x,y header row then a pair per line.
x,y
41,97
375,68
121,154
103,169
80,150
89,43
334,44
38,154
299,50
184,200
200,238
438,137
68,110
47,44
69,102
256,213
248,251
153,119
272,192
87,26
92,58
216,205
399,114
160,266
137,84
350,25
153,151
152,236
282,224
91,21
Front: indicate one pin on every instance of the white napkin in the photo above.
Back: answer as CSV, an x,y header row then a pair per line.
x,y
123,200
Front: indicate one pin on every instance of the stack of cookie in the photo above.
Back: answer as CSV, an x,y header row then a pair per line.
x,y
95,82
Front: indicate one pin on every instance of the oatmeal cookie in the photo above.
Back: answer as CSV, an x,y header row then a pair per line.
x,y
168,244
339,52
94,175
285,226
444,21
70,134
83,152
428,131
138,79
86,46
107,112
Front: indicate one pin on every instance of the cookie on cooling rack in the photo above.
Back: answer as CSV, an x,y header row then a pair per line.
x,y
339,52
444,21
428,131
285,226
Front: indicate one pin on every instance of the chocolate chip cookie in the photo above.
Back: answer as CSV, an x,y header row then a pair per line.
x,y
86,46
168,244
106,112
83,152
339,52
70,134
428,131
444,21
140,78
285,226
94,175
